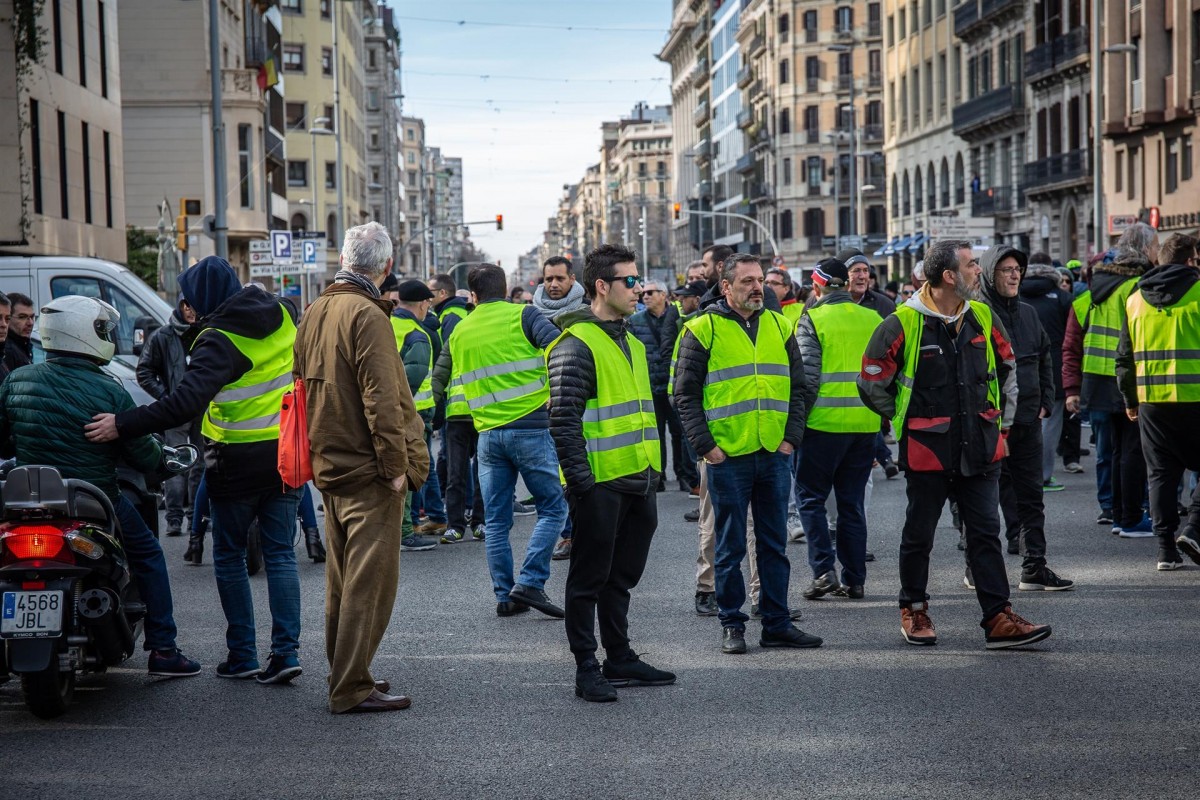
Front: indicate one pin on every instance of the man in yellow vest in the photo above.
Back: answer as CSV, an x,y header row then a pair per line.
x,y
943,370
839,438
603,424
738,385
1158,372
239,366
496,360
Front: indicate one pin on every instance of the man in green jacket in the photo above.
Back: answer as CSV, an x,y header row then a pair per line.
x,y
43,408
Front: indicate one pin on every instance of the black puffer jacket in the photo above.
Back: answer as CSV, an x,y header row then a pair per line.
x,y
692,368
231,470
878,302
1040,289
1035,365
652,331
572,384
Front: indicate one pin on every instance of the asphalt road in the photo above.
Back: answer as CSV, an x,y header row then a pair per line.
x,y
1103,709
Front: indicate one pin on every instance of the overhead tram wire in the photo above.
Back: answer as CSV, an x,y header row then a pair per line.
x,y
539,79
534,25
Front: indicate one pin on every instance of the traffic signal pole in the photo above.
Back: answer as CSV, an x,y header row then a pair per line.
x,y
220,228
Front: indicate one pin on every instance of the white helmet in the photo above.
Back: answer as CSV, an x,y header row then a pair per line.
x,y
81,326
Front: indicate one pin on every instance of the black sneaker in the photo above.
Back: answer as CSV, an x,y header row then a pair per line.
x,y
849,592
510,609
706,604
790,636
1189,542
733,641
1169,559
535,598
524,509
822,586
692,516
591,685
172,664
281,668
632,671
1105,517
228,669
891,470
417,543
1044,580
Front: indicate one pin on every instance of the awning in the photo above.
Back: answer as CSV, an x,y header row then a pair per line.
x,y
896,247
888,248
916,243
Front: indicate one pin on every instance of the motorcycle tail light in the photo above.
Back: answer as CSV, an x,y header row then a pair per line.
x,y
35,543
84,546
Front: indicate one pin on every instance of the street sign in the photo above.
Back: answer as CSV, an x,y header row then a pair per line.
x,y
948,227
257,259
313,255
848,240
260,245
268,270
777,261
1119,223
281,246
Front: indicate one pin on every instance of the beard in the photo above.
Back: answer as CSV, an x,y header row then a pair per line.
x,y
965,292
751,304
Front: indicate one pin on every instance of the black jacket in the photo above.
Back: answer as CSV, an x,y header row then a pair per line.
x,y
878,302
692,368
1161,287
1040,289
572,384
230,469
17,351
651,331
164,358
1030,344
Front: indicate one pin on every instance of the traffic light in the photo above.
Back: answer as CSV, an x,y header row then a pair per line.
x,y
499,222
642,225
181,235
677,211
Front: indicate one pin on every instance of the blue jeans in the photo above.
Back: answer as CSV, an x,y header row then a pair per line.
x,y
759,482
149,568
308,510
838,462
200,507
882,453
429,496
503,454
1104,458
231,518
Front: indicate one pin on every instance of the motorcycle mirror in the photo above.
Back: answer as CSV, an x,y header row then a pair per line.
x,y
181,458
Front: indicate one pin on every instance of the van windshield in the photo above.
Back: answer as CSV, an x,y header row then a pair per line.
x,y
137,322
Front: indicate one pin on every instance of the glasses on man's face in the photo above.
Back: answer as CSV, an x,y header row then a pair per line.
x,y
630,280
650,292
1008,270
774,283
906,292
24,317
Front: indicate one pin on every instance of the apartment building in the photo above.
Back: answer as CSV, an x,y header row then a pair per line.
x,y
722,142
1151,99
444,208
385,189
61,141
643,194
412,167
686,52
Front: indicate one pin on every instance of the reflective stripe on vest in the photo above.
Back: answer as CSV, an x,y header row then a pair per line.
x,y
748,387
247,410
618,423
1101,325
913,323
402,327
501,374
843,329
1166,373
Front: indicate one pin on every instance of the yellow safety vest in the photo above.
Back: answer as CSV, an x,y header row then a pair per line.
x,y
844,329
502,376
402,327
1101,325
1166,348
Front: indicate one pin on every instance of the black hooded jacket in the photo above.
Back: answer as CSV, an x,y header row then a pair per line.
x,y
572,371
1040,289
1035,365
1161,287
230,469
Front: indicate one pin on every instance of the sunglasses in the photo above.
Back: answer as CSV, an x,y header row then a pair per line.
x,y
652,291
906,291
630,280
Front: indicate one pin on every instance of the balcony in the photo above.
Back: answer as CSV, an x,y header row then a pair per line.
x,y
700,117
810,35
874,80
845,83
759,192
996,107
703,150
874,28
756,89
744,76
702,71
966,18
757,45
1063,168
745,163
700,35
273,146
996,10
997,201
872,133
745,119
812,85
1047,59
812,136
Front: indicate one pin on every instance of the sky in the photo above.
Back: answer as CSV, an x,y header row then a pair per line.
x,y
533,124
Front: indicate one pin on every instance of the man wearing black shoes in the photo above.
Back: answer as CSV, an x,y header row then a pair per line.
x,y
603,425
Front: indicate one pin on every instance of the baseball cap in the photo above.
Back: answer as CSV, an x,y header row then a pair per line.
x,y
693,289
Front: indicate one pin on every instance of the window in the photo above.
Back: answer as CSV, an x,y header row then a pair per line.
x,y
931,188
785,225
103,49
412,135
810,26
293,58
785,121
903,27
906,196
82,42
891,31
87,174
327,61
815,171
63,193
245,159
812,121
1119,173
325,9
295,115
945,182
328,114
412,178
812,72
132,325
56,29
874,69
108,203
927,13
928,91
844,19
844,64
903,103
1185,166
412,203
35,136
941,84
783,71
331,229
330,175
1172,166
956,64
374,174
412,159
913,16
895,197
787,172
919,193
373,138
1131,173
373,58
292,6
960,181
372,99
297,173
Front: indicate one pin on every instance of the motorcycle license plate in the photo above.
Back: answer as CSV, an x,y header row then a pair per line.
x,y
31,615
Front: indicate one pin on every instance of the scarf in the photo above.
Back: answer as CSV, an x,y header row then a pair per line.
x,y
361,281
574,300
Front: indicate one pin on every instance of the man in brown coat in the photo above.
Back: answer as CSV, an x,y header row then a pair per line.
x,y
368,449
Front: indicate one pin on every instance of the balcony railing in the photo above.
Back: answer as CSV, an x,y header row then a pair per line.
x,y
703,149
1046,57
997,200
845,83
700,117
273,146
872,133
745,118
756,89
992,8
758,191
1070,166
812,136
745,163
874,80
744,76
810,35
702,73
700,36
966,17
988,109
812,85
757,44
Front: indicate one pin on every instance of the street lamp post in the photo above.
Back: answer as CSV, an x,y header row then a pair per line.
x,y
319,128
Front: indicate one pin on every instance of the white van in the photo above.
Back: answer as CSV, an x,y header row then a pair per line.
x,y
45,277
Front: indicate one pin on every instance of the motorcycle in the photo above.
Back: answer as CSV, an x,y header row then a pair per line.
x,y
68,603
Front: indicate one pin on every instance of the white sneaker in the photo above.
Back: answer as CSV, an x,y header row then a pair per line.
x,y
795,528
1074,467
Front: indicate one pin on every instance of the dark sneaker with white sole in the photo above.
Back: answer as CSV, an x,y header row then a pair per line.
x,y
228,669
1169,559
1044,580
632,671
416,543
1189,542
281,668
172,664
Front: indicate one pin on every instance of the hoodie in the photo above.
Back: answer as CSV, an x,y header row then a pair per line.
x,y
1098,393
1035,366
208,284
1161,287
1040,289
572,371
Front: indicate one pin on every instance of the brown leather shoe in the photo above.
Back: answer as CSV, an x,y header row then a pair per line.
x,y
916,625
1007,629
382,686
378,701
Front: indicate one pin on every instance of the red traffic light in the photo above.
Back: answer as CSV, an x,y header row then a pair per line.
x,y
499,222
677,211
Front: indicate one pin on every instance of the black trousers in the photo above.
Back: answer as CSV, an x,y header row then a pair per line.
x,y
1128,471
459,440
668,418
978,497
611,541
1171,443
1021,494
1068,442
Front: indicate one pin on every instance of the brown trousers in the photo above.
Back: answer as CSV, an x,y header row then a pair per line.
x,y
362,534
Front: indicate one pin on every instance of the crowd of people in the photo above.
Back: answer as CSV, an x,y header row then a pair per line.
x,y
773,403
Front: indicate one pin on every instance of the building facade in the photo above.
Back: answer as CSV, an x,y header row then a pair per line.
x,y
381,70
61,143
685,52
412,166
643,194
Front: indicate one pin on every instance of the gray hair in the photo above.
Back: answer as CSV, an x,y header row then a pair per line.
x,y
729,270
783,275
693,265
942,256
367,249
1137,237
654,283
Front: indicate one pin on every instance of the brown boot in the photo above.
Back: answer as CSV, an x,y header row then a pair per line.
x,y
1007,629
916,625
